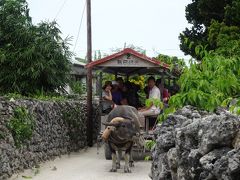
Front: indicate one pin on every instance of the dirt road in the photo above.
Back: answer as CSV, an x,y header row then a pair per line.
x,y
85,165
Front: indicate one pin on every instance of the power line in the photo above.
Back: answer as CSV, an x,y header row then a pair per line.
x,y
61,8
79,29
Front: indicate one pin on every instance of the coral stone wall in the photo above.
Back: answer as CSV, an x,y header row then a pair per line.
x,y
60,127
194,144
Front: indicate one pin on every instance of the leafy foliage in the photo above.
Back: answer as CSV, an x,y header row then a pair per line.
x,y
163,116
138,80
232,13
147,158
225,39
77,87
155,102
107,77
203,15
208,84
40,95
172,60
176,65
31,57
214,41
232,104
150,144
21,125
13,95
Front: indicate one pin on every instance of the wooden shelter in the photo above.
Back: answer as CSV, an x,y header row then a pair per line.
x,y
129,62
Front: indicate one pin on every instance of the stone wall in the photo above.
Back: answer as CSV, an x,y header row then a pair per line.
x,y
60,127
194,144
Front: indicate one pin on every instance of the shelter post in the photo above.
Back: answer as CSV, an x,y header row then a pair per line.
x,y
100,84
89,77
162,80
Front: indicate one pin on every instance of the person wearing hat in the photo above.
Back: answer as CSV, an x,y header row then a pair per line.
x,y
107,102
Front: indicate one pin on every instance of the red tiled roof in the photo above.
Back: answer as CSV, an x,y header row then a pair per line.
x,y
123,52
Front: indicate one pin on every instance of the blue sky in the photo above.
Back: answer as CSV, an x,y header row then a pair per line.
x,y
153,25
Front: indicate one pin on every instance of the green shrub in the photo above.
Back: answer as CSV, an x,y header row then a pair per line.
x,y
77,87
208,84
40,95
21,125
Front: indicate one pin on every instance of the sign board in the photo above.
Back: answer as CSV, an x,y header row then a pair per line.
x,y
128,60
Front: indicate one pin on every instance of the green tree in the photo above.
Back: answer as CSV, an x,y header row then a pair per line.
x,y
203,14
32,58
232,14
224,39
177,65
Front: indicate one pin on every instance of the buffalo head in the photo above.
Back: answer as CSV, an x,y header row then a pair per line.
x,y
124,129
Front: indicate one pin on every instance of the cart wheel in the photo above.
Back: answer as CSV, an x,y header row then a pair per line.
x,y
108,154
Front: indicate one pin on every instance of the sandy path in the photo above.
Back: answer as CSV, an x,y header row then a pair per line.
x,y
85,165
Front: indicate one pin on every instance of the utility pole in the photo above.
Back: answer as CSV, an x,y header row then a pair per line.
x,y
89,77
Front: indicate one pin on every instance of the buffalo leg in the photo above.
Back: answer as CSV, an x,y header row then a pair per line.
x,y
131,162
114,162
114,159
119,159
127,159
126,167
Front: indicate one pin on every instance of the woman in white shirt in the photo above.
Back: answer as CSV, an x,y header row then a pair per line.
x,y
154,93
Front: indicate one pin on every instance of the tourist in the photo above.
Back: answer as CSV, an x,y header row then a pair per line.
x,y
116,93
107,103
154,93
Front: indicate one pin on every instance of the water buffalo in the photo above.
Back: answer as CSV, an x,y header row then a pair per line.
x,y
124,124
